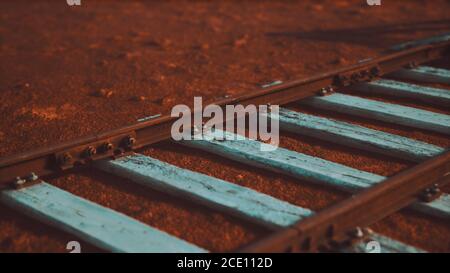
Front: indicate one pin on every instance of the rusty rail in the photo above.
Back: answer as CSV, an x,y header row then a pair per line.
x,y
336,225
50,160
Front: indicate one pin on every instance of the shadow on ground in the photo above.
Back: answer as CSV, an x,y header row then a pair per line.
x,y
373,37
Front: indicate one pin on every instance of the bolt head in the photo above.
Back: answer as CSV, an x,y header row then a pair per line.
x,y
32,177
358,233
323,92
90,151
130,141
435,190
19,181
368,231
107,146
428,197
66,158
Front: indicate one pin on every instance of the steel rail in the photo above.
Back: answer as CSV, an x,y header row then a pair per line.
x,y
338,223
50,160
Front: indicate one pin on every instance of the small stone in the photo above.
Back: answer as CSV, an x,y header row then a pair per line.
x,y
240,42
135,208
172,65
129,55
21,86
167,42
104,93
205,46
139,98
317,7
94,46
149,214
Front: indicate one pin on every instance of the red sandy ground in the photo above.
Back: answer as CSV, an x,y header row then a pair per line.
x,y
153,55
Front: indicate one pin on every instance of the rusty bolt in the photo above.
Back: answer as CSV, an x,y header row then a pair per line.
x,y
107,146
19,181
90,151
357,233
66,158
435,189
326,91
130,141
32,177
431,193
323,92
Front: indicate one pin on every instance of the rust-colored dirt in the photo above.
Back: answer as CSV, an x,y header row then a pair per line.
x,y
149,56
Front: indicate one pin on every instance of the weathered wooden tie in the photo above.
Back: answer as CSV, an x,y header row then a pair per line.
x,y
212,192
383,111
423,74
100,226
355,136
303,166
406,90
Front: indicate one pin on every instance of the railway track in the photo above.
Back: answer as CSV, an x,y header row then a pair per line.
x,y
340,227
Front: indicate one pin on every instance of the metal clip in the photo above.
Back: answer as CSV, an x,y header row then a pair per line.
x,y
352,237
112,147
22,182
431,193
326,91
353,77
